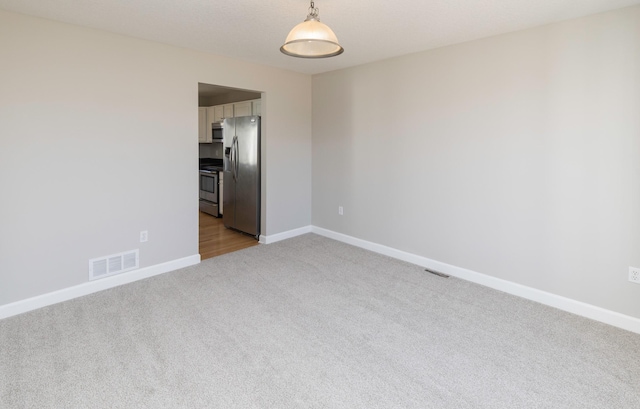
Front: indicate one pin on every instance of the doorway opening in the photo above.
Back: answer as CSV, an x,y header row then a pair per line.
x,y
229,153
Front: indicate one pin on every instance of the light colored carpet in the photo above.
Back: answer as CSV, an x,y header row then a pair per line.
x,y
312,323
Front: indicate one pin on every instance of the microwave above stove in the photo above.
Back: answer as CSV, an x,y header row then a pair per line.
x,y
217,132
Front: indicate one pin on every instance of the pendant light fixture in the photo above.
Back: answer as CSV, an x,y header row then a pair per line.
x,y
311,39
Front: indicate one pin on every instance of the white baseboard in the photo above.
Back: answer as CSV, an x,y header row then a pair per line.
x,y
90,287
566,304
284,235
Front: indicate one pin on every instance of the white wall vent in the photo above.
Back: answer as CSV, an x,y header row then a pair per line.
x,y
114,264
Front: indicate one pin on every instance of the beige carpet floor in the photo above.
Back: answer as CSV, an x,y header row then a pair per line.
x,y
312,323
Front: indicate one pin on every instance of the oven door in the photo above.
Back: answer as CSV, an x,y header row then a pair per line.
x,y
209,185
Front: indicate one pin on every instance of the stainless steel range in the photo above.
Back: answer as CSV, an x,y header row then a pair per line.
x,y
209,186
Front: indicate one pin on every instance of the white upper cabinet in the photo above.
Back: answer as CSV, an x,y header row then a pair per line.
x,y
256,107
202,125
218,113
210,119
228,111
206,116
242,108
221,112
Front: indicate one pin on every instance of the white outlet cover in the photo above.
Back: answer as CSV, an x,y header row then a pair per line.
x,y
634,275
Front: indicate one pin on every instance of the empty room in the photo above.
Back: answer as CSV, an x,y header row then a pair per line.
x,y
418,204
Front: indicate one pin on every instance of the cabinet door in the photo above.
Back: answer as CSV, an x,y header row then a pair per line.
x,y
228,110
218,113
256,107
202,125
242,109
210,117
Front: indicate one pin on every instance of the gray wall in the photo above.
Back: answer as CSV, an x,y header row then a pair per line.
x,y
515,156
98,141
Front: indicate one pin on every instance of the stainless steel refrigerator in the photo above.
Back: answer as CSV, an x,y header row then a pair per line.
x,y
241,196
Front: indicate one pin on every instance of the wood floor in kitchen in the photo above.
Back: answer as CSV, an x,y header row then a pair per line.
x,y
215,239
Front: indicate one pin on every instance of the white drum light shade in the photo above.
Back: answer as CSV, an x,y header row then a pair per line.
x,y
312,39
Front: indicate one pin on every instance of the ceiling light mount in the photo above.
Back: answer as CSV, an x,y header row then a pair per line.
x,y
313,12
312,39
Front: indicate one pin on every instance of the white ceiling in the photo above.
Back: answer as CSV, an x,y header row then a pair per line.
x,y
254,30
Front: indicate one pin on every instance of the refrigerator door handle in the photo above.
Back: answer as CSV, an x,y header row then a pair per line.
x,y
236,157
232,157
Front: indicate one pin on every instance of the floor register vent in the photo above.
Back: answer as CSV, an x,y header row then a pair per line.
x,y
114,264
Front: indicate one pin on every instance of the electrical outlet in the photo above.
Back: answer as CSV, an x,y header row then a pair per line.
x,y
340,210
144,236
634,275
